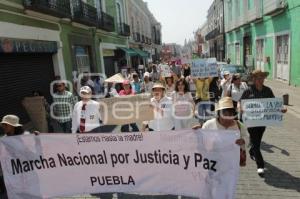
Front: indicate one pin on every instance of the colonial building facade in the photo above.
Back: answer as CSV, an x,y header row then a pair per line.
x,y
41,40
145,37
265,35
215,25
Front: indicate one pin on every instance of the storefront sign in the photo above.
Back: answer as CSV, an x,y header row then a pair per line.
x,y
108,53
8,45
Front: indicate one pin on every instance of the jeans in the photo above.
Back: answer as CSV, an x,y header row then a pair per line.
x,y
64,127
204,111
125,128
256,134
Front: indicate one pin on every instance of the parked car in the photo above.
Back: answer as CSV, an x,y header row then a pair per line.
x,y
233,69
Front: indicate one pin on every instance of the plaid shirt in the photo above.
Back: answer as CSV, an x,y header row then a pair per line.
x,y
63,106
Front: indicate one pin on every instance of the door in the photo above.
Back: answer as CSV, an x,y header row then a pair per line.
x,y
248,59
282,58
21,74
260,54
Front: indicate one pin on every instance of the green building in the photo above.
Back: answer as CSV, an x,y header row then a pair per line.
x,y
42,39
264,34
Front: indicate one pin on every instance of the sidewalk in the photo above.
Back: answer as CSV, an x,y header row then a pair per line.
x,y
280,88
281,151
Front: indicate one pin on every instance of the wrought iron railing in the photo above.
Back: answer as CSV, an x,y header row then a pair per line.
x,y
57,8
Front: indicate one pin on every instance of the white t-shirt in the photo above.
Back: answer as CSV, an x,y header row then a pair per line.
x,y
163,120
224,85
91,115
147,87
186,97
213,124
236,93
170,90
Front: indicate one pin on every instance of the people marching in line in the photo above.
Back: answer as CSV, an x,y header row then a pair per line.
x,y
216,103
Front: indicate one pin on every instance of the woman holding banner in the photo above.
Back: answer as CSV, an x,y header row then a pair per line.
x,y
183,105
11,127
257,91
163,120
225,120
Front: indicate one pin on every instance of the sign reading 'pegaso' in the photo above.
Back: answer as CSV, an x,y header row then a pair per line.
x,y
158,163
9,45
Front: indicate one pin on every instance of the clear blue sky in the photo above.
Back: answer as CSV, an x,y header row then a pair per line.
x,y
179,18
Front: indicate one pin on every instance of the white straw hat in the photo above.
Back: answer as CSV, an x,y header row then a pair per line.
x,y
225,103
12,120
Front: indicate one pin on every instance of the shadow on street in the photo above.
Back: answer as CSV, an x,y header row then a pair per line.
x,y
281,179
269,148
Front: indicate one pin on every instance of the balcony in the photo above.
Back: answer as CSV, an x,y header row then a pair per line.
x,y
273,7
106,22
84,13
124,29
137,37
59,8
213,34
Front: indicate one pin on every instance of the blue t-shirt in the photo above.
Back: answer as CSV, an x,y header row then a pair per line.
x,y
137,87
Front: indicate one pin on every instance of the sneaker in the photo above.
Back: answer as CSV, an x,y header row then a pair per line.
x,y
261,172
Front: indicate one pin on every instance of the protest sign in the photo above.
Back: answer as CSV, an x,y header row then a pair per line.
x,y
183,109
198,163
126,109
35,108
202,68
262,112
165,71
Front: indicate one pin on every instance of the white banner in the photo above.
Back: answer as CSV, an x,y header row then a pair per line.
x,y
202,68
193,163
262,112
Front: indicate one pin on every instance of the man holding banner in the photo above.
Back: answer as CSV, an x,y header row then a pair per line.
x,y
256,92
86,114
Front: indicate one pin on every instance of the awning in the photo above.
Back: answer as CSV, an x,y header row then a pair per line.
x,y
129,51
141,52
